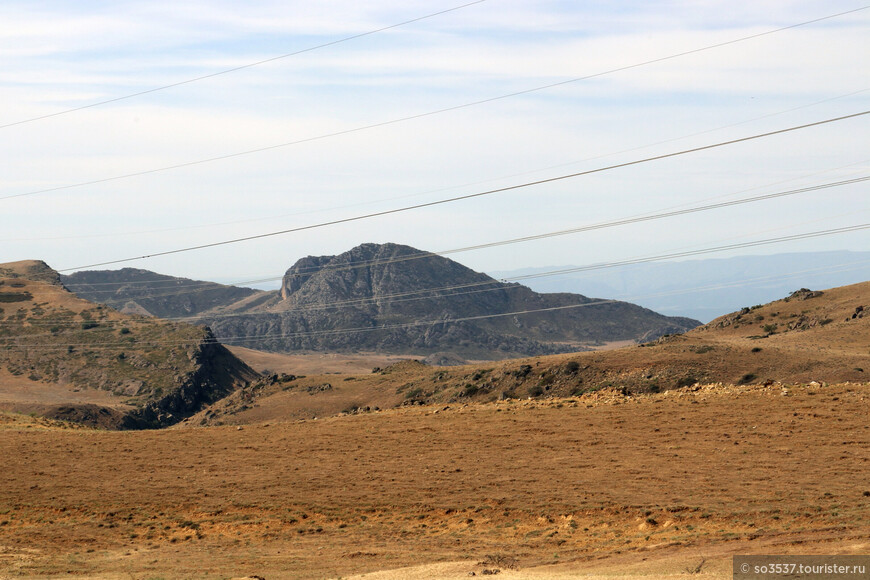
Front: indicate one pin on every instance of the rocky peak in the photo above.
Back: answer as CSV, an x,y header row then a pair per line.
x,y
370,270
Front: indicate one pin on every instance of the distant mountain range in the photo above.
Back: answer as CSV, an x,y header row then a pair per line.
x,y
387,298
705,289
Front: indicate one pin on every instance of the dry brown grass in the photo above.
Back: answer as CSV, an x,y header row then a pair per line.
x,y
671,478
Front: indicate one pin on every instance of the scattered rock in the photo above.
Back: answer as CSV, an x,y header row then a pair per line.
x,y
805,294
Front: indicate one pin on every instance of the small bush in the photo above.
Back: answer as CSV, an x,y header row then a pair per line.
x,y
536,391
747,378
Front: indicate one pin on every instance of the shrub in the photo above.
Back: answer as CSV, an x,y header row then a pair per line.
x,y
747,378
536,391
686,382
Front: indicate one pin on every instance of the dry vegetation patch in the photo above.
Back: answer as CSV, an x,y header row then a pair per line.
x,y
538,482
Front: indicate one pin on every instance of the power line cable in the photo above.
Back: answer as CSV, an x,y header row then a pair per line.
x,y
242,67
195,286
600,266
452,187
422,115
471,196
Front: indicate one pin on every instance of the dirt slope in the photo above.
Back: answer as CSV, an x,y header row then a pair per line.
x,y
647,485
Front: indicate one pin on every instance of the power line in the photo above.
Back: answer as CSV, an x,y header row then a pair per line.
x,y
242,67
600,266
689,253
426,114
194,286
452,187
473,195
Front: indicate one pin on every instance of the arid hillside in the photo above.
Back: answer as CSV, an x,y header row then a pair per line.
x,y
642,462
64,357
650,486
820,336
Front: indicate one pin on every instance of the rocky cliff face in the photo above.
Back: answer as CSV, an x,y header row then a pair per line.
x,y
215,373
391,298
394,298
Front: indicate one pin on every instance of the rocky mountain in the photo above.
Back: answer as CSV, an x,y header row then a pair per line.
x,y
396,299
64,357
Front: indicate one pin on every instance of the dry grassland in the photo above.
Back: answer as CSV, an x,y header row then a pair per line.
x,y
645,486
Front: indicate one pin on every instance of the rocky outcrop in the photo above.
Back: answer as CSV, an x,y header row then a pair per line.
x,y
154,373
396,299
216,374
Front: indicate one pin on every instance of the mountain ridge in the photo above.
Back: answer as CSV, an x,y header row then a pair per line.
x,y
395,298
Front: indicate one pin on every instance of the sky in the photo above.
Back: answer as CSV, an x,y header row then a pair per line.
x,y
384,105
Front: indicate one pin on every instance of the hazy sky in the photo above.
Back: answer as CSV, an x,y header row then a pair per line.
x,y
58,56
